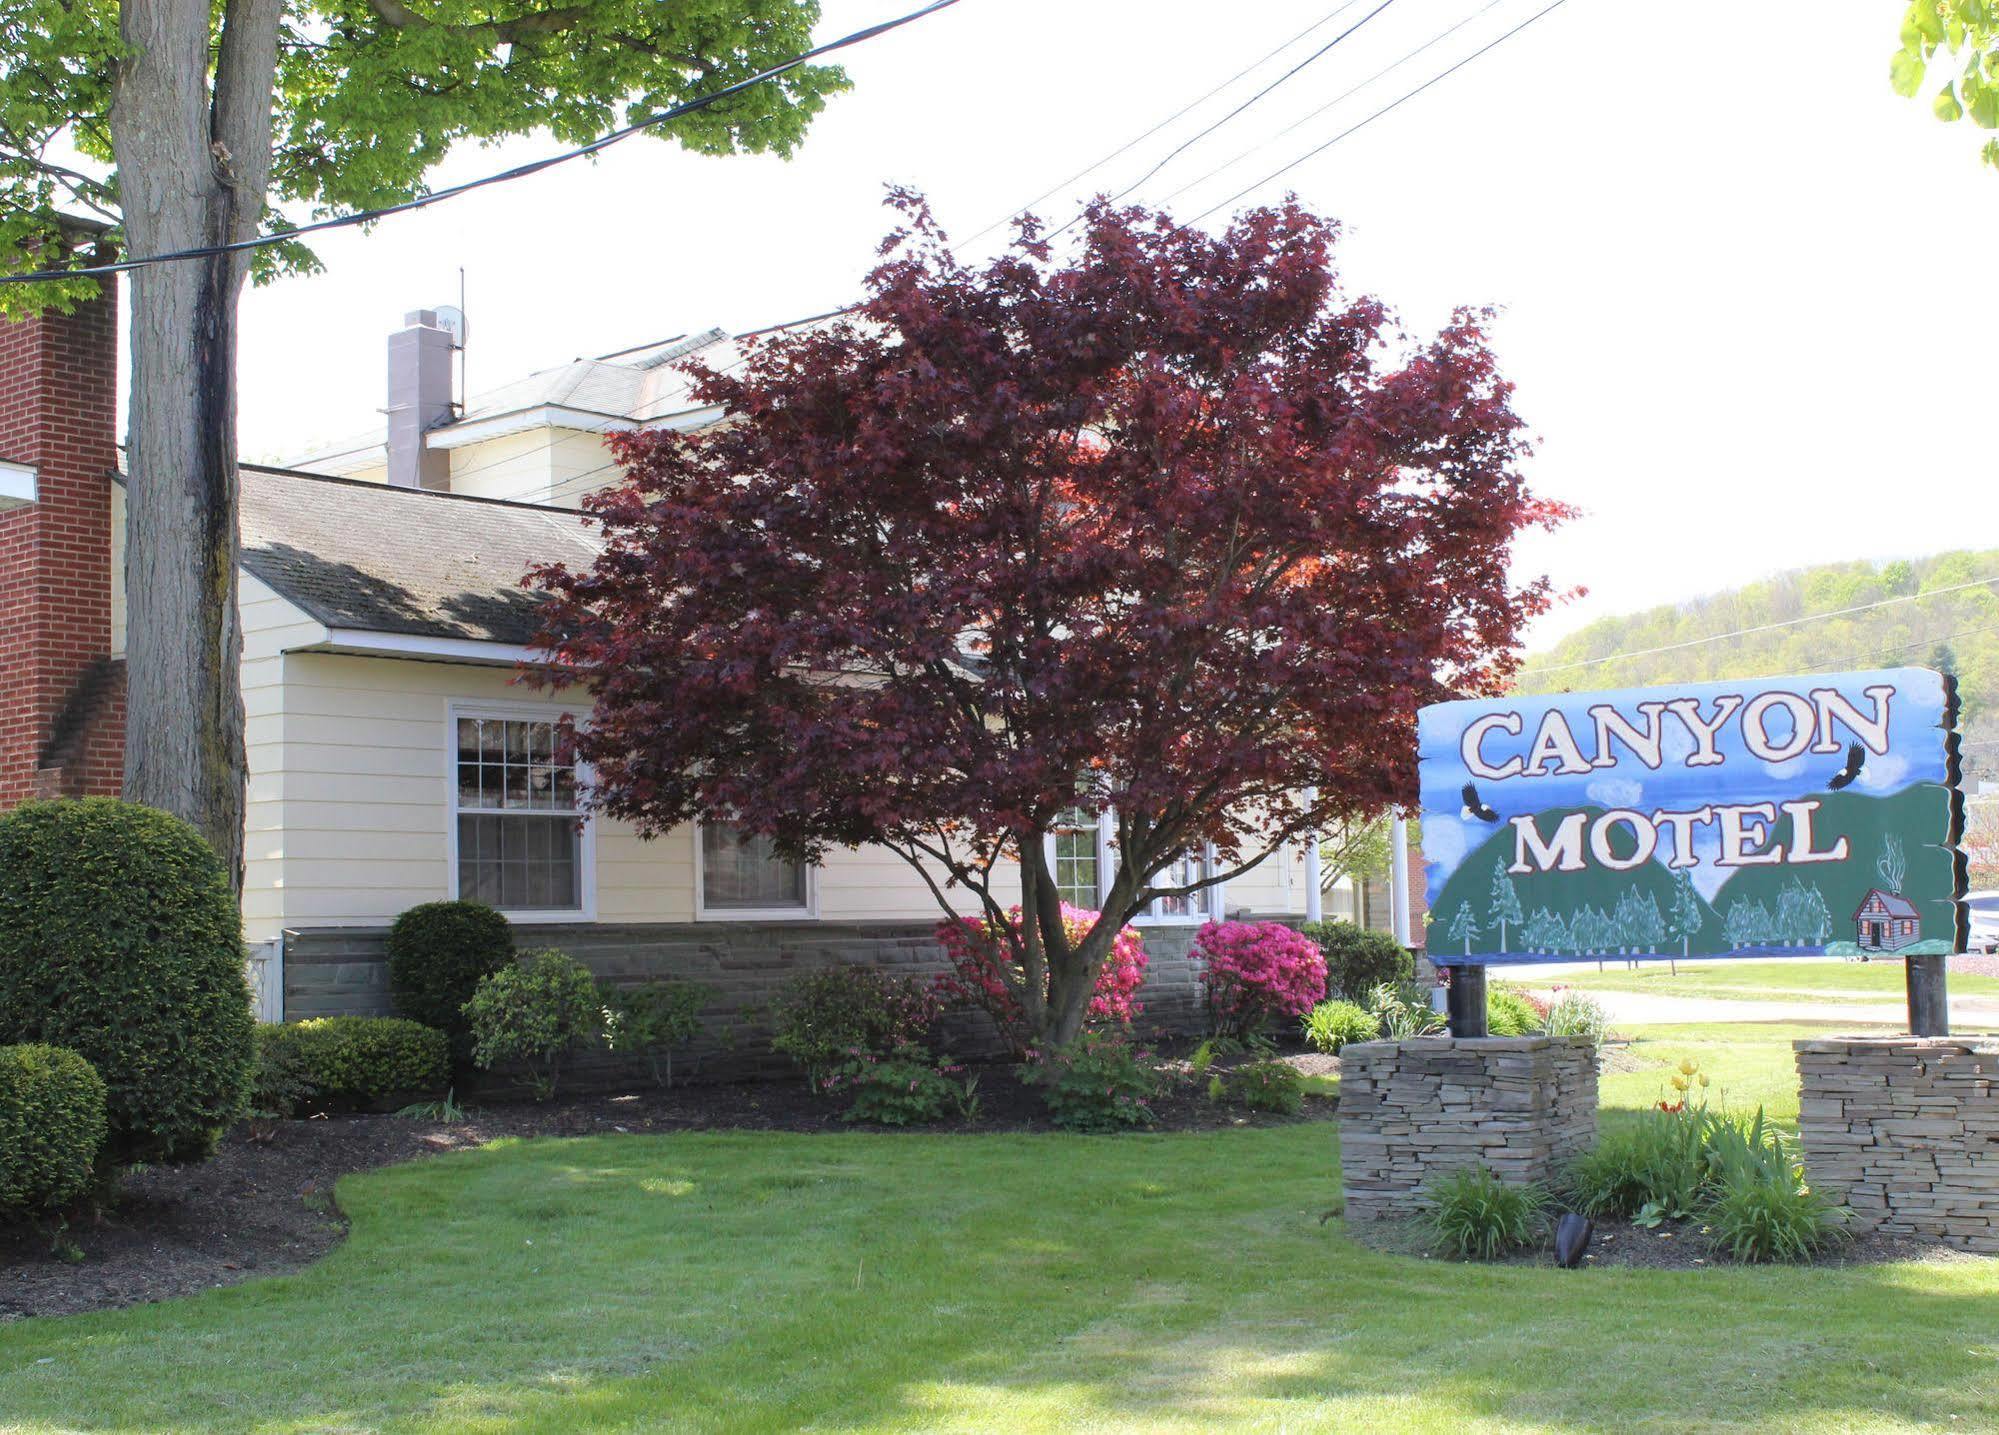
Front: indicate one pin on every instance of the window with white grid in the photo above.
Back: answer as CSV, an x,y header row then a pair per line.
x,y
520,844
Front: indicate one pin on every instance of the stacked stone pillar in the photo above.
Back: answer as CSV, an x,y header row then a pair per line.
x,y
1905,1130
1412,1110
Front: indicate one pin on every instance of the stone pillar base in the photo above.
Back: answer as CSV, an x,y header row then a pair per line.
x,y
1905,1130
1412,1110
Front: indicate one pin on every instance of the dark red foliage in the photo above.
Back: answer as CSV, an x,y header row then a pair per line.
x,y
1160,522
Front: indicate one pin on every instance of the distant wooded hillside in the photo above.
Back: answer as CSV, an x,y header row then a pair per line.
x,y
1924,612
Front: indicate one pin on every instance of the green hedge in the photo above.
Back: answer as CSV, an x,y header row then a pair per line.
x,y
121,941
51,1128
345,1063
439,952
1359,959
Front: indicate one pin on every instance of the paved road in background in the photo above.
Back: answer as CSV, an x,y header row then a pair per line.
x,y
1648,1009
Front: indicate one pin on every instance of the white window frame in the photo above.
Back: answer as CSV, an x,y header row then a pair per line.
x,y
1104,853
1212,901
586,837
704,913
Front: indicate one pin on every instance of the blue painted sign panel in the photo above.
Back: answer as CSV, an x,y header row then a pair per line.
x,y
1755,817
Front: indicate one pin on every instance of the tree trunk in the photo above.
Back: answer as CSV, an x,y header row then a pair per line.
x,y
192,169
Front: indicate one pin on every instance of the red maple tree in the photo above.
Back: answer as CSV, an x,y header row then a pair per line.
x,y
1156,528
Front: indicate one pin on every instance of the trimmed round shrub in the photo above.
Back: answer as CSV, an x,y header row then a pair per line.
x,y
535,1012
1335,1023
822,1017
1261,1086
1508,1013
350,1063
1258,973
439,952
51,1127
1359,959
121,941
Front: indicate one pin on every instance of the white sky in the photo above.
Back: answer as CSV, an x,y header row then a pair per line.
x,y
1743,280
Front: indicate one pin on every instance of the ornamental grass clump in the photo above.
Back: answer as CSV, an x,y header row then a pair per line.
x,y
1475,1216
1573,1013
1258,974
1508,1013
983,974
1334,1024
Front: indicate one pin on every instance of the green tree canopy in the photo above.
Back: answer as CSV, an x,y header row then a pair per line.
x,y
1965,31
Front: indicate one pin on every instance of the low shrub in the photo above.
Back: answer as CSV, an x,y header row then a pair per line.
x,y
346,1063
1474,1215
981,969
1572,1013
1359,959
821,1017
1256,974
1508,1013
651,1022
1101,1083
52,1125
535,1012
121,941
905,1088
1335,1023
1261,1086
439,952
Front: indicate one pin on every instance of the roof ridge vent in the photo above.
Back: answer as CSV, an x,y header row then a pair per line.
x,y
681,349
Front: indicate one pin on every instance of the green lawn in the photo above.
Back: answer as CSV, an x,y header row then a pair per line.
x,y
1754,981
950,1282
1747,1066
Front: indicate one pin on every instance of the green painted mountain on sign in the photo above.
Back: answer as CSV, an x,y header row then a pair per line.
x,y
1895,846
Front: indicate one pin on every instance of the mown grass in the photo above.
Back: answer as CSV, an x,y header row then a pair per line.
x,y
944,1282
1797,980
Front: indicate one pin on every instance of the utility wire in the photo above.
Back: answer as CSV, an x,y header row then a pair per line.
x,y
1200,135
1185,109
1760,628
521,171
1333,103
1284,169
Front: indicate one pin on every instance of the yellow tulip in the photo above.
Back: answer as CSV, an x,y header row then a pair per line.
x,y
1703,1078
1688,1066
1679,1083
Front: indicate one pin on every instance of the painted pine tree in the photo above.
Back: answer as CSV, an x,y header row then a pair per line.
x,y
1683,913
1463,927
1505,908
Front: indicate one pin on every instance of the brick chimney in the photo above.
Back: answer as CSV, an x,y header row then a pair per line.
x,y
62,696
419,400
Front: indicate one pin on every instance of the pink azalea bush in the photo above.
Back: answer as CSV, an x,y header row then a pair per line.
x,y
980,967
1258,973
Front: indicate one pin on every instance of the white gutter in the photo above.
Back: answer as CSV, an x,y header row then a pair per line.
x,y
1398,875
414,645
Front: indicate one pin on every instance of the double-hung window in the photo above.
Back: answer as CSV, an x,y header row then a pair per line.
x,y
519,833
1075,856
741,876
1195,906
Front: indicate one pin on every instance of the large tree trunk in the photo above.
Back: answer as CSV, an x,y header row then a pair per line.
x,y
192,169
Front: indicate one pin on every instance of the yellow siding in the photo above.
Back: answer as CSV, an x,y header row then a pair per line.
x,y
547,465
270,625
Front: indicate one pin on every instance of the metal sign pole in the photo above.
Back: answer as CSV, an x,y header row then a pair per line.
x,y
1465,1001
1929,1004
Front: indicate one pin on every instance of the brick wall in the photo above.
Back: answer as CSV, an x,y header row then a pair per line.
x,y
343,971
1905,1130
61,694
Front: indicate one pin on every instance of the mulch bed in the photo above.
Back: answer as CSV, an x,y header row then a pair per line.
x,y
262,1208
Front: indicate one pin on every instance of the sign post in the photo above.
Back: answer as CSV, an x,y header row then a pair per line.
x,y
1764,817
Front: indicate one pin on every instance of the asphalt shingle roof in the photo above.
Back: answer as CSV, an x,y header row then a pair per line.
x,y
396,560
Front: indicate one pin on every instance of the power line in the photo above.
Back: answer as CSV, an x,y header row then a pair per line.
x,y
1904,647
1196,138
520,171
1333,103
1284,169
1138,140
1761,627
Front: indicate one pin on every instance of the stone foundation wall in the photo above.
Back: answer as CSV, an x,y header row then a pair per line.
x,y
343,971
1905,1130
1412,1110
